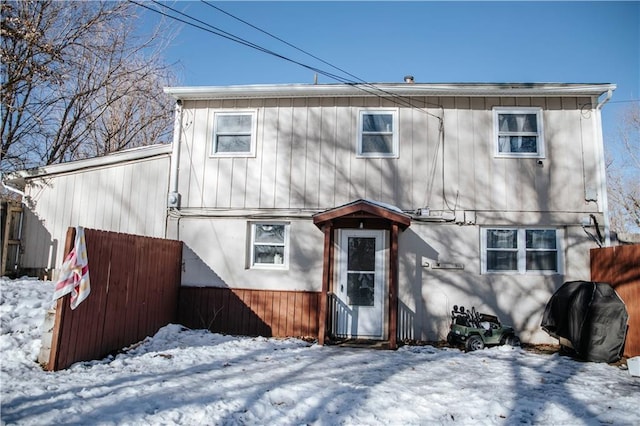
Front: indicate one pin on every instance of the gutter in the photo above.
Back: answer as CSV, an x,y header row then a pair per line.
x,y
603,171
260,91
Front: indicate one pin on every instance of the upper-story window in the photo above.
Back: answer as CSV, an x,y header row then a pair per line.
x,y
519,250
518,132
378,133
234,134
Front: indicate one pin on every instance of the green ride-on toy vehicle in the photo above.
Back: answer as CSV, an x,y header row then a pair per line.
x,y
474,330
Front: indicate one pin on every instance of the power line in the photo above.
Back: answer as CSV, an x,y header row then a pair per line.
x,y
406,101
281,40
221,33
624,101
363,86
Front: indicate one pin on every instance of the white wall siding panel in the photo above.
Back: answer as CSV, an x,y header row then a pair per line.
x,y
306,157
306,163
285,138
239,182
267,146
345,155
129,198
298,165
427,295
206,265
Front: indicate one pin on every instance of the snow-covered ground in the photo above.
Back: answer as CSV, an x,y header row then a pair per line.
x,y
193,377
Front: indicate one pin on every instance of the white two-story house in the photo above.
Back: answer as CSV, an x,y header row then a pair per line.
x,y
395,201
388,203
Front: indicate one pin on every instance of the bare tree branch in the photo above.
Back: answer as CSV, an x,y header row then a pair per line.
x,y
623,173
76,82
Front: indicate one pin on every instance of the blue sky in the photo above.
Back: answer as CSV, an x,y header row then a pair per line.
x,y
572,42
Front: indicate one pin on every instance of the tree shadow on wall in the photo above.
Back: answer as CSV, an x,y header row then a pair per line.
x,y
208,302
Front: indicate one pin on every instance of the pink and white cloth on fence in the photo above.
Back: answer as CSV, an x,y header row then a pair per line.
x,y
74,274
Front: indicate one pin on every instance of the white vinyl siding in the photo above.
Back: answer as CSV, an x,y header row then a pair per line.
x,y
305,158
128,197
378,133
518,132
520,250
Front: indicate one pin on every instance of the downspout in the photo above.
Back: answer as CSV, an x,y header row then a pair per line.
x,y
173,198
603,170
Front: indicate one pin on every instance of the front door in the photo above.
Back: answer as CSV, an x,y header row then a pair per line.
x,y
360,287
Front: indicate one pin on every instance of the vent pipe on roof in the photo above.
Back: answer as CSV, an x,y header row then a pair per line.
x,y
409,79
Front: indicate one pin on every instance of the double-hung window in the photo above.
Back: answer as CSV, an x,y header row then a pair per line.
x,y
378,133
520,250
269,245
234,134
518,132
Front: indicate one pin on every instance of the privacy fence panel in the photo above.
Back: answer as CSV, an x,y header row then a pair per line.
x,y
620,267
250,312
135,284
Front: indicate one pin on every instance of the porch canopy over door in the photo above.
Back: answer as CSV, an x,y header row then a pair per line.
x,y
362,214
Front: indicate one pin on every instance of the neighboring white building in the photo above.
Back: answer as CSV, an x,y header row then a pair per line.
x,y
394,201
122,192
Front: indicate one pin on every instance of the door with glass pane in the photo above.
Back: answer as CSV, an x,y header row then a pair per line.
x,y
360,286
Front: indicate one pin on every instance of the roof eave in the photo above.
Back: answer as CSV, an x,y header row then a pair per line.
x,y
377,209
133,154
389,89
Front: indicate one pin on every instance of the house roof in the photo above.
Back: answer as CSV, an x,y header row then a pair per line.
x,y
390,89
366,207
133,154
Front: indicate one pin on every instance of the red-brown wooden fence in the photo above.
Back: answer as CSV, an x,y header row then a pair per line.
x,y
134,292
620,267
250,312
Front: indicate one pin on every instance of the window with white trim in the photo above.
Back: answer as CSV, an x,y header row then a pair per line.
x,y
269,245
518,132
520,250
234,134
378,133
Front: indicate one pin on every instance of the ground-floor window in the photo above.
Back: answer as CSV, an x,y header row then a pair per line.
x,y
269,247
521,250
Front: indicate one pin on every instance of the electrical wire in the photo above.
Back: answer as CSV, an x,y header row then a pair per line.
x,y
357,80
354,81
359,84
221,33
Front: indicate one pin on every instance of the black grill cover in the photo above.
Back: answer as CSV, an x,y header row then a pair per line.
x,y
589,315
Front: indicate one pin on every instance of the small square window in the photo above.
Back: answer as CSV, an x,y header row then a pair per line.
x,y
518,132
521,250
234,134
269,245
378,133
